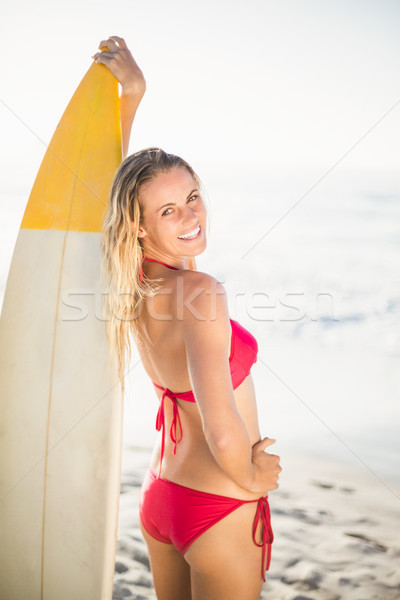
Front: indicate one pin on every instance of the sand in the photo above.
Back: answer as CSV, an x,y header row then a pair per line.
x,y
336,526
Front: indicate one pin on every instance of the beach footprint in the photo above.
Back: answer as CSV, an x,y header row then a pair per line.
x,y
372,543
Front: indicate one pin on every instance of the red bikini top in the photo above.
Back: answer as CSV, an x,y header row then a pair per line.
x,y
244,349
243,355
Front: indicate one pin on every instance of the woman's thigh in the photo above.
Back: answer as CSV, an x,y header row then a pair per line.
x,y
224,561
170,571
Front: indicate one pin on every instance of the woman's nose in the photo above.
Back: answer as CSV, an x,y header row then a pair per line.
x,y
190,216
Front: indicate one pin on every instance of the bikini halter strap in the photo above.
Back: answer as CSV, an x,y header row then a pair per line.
x,y
161,263
153,260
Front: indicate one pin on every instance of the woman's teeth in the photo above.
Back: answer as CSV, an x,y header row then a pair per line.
x,y
191,235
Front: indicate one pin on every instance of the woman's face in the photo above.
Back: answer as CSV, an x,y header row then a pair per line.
x,y
172,208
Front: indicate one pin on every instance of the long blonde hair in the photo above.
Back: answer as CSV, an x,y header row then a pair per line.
x,y
123,283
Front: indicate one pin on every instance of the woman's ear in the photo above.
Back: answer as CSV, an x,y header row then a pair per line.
x,y
141,232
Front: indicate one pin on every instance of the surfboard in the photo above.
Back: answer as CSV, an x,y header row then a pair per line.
x,y
60,405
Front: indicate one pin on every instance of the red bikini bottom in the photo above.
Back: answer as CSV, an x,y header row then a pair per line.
x,y
178,515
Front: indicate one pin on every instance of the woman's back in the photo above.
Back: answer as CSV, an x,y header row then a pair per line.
x,y
164,357
162,346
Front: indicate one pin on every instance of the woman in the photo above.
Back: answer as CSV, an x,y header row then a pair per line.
x,y
204,512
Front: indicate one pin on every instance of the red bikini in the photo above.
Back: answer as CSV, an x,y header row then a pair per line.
x,y
177,514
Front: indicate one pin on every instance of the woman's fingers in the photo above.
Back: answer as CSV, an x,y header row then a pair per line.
x,y
266,469
103,58
267,462
110,44
121,42
264,443
114,43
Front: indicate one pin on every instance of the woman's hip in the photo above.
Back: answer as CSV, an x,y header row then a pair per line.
x,y
179,515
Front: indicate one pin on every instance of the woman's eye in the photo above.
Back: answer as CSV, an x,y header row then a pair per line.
x,y
165,213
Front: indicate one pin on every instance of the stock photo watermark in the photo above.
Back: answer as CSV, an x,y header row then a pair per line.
x,y
78,304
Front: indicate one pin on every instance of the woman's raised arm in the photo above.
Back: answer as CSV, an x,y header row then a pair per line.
x,y
207,331
123,66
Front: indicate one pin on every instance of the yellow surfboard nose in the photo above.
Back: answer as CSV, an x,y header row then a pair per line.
x,y
71,189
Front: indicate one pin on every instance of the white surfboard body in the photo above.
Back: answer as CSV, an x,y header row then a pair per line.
x,y
60,406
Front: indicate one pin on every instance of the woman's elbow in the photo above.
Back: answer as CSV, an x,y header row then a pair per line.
x,y
219,438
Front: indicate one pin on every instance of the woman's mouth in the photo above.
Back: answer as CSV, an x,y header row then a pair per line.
x,y
191,235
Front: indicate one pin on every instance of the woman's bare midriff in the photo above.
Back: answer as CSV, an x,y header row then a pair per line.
x,y
193,465
164,359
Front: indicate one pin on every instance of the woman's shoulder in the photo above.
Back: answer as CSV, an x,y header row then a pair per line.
x,y
203,296
202,281
200,276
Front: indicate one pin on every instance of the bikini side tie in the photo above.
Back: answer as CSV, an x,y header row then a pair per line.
x,y
176,423
263,514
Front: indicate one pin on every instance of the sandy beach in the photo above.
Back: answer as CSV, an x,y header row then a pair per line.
x,y
336,533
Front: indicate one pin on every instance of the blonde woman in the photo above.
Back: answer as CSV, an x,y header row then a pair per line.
x,y
204,510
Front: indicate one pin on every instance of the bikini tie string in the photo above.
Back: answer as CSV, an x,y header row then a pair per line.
x,y
176,423
263,515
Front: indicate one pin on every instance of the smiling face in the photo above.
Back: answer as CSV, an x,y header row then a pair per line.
x,y
174,216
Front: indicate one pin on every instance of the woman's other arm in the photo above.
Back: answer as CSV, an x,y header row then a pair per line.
x,y
207,332
133,85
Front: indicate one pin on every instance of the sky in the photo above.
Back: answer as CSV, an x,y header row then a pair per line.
x,y
269,86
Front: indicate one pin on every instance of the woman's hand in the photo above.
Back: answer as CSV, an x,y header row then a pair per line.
x,y
266,467
122,65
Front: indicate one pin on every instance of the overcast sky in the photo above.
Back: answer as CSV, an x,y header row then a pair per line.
x,y
280,85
